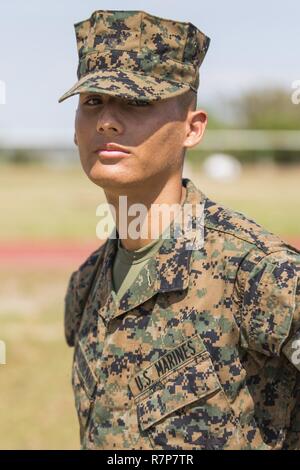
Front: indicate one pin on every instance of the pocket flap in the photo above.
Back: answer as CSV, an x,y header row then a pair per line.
x,y
193,381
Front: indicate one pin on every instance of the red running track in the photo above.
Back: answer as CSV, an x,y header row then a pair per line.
x,y
47,254
58,254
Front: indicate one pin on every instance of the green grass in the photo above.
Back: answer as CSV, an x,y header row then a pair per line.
x,y
39,202
47,203
36,397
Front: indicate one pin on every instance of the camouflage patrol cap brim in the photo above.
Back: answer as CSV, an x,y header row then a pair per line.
x,y
135,55
127,86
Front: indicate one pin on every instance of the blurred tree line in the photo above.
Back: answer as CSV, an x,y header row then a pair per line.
x,y
258,109
270,109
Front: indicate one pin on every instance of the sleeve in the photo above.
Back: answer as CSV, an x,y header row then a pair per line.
x,y
79,287
292,441
72,313
267,289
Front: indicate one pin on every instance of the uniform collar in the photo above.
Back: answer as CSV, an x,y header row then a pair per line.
x,y
168,271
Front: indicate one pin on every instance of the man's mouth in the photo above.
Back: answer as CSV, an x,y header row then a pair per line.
x,y
112,151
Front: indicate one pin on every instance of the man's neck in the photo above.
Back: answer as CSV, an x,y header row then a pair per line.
x,y
172,193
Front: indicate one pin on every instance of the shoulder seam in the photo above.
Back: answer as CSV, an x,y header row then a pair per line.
x,y
251,242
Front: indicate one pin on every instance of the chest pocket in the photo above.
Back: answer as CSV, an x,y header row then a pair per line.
x,y
84,386
188,409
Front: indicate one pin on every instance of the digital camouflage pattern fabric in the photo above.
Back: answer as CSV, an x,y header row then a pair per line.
x,y
199,354
135,55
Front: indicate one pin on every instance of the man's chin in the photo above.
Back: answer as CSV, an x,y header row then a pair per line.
x,y
108,179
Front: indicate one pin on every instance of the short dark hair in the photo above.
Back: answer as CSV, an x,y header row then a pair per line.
x,y
188,100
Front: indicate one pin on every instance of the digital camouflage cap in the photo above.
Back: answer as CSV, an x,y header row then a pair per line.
x,y
135,55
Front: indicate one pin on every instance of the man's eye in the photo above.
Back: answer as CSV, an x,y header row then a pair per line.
x,y
93,101
96,101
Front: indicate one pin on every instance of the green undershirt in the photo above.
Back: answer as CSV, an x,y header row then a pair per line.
x,y
128,264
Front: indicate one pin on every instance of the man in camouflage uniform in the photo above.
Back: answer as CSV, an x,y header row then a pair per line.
x,y
201,351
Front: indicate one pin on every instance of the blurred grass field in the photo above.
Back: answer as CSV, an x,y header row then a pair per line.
x,y
43,202
52,204
36,401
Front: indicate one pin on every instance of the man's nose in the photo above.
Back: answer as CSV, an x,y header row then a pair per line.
x,y
108,123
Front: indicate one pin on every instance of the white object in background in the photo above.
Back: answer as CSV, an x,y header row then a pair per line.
x,y
222,167
2,353
187,170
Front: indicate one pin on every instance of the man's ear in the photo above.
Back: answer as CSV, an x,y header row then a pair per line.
x,y
75,139
196,124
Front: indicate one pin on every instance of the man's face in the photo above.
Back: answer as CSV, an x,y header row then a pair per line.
x,y
153,135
